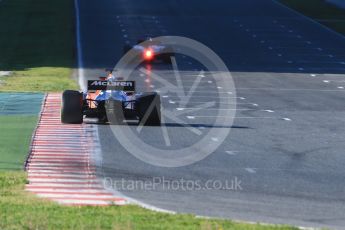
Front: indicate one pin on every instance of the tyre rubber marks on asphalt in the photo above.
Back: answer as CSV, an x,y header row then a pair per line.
x,y
60,166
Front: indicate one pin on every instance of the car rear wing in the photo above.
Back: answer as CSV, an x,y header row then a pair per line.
x,y
127,86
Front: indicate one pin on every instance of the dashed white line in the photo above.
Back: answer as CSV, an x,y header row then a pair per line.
x,y
215,139
231,152
250,170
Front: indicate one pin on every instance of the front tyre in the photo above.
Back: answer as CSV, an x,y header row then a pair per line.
x,y
72,107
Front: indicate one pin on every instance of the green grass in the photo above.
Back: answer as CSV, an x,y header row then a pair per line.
x,y
15,137
321,11
20,210
37,43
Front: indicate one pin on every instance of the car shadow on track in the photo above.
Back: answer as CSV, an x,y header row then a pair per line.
x,y
204,126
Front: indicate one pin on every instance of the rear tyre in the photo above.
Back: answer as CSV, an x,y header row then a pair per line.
x,y
148,107
72,107
114,110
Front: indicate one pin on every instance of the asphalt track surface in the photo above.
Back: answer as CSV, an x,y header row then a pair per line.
x,y
286,144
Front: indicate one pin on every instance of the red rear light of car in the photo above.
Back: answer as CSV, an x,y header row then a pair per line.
x,y
148,54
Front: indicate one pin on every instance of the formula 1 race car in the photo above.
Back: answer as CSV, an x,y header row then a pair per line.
x,y
151,51
111,101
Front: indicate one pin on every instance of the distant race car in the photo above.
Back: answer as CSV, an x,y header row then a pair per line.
x,y
151,51
111,101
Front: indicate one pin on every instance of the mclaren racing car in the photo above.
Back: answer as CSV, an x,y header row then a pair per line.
x,y
111,101
151,51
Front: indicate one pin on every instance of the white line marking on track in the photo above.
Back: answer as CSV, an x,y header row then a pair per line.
x,y
250,170
232,153
215,139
